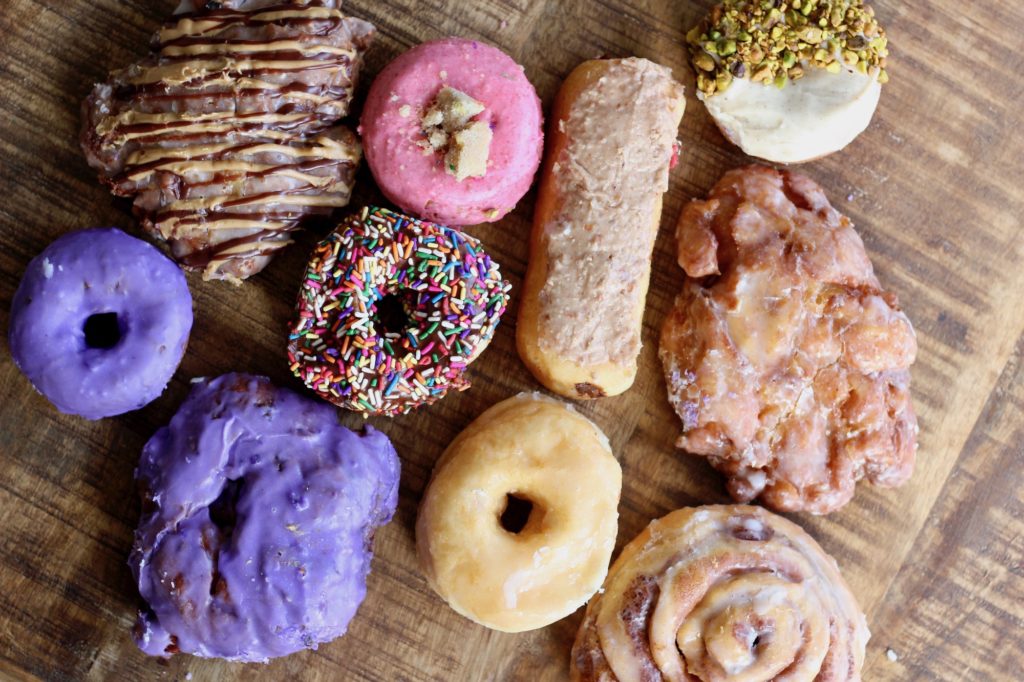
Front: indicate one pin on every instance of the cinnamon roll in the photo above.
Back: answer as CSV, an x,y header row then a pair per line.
x,y
722,593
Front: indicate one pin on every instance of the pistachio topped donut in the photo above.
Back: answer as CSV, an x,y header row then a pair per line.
x,y
519,520
790,80
391,312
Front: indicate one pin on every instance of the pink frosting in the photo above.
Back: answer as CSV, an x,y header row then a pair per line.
x,y
417,181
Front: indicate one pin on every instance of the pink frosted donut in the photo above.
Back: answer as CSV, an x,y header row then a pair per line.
x,y
419,177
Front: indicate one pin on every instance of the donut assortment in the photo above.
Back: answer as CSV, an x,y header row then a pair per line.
x,y
391,312
785,360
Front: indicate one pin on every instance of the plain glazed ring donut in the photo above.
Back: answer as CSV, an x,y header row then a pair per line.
x,y
100,322
519,520
722,593
391,312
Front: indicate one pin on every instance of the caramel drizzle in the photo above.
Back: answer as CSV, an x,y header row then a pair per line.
x,y
221,147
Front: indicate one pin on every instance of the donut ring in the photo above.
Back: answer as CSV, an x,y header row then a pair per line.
x,y
258,515
391,312
416,178
519,520
90,329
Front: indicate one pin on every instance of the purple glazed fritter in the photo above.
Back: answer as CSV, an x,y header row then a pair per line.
x,y
259,510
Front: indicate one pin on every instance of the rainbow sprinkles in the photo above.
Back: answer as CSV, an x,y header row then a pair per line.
x,y
391,312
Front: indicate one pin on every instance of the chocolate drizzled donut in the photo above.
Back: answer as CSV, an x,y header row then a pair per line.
x,y
224,133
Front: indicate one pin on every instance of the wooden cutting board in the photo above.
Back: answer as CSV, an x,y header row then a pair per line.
x,y
935,187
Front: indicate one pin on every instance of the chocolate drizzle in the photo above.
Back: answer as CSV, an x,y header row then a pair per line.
x,y
225,135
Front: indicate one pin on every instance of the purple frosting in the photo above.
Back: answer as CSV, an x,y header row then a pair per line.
x,y
259,510
99,322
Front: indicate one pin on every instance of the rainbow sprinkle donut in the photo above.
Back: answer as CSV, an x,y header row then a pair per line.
x,y
391,312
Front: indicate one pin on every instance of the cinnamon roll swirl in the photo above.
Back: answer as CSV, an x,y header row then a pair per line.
x,y
722,593
225,134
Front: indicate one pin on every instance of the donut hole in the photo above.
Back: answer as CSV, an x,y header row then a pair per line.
x,y
389,315
102,331
517,514
224,510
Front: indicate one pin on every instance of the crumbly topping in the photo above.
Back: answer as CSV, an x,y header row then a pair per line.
x,y
609,177
774,41
448,127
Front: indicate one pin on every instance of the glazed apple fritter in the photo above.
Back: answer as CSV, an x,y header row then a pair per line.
x,y
785,360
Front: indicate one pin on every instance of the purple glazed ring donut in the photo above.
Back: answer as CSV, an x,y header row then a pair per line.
x,y
259,510
100,322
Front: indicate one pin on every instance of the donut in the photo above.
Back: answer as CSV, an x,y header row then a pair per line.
x,y
225,134
100,322
259,510
786,361
722,593
518,522
391,312
790,86
611,143
452,132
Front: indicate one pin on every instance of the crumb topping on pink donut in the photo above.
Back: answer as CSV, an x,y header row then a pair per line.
x,y
417,174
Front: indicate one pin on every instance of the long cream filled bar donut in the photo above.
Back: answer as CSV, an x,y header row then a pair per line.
x,y
612,140
225,135
719,593
519,520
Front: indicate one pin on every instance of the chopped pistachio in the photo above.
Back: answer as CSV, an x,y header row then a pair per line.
x,y
812,35
763,73
774,41
704,62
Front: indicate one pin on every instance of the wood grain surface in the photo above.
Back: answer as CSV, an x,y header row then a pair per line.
x,y
934,186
